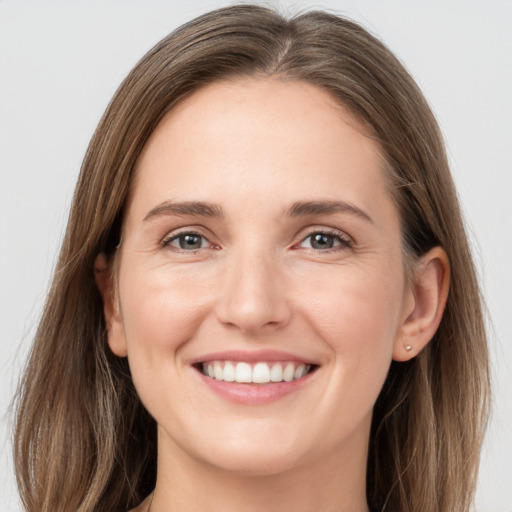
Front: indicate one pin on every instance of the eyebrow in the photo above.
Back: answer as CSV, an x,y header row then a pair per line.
x,y
307,208
297,209
197,208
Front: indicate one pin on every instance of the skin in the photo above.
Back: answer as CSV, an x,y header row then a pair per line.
x,y
254,148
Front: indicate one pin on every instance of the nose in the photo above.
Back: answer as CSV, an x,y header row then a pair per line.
x,y
253,295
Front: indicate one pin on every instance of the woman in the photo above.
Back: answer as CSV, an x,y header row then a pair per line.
x,y
265,298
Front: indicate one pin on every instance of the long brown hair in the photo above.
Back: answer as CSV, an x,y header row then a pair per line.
x,y
83,440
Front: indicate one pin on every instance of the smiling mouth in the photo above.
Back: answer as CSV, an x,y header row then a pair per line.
x,y
255,373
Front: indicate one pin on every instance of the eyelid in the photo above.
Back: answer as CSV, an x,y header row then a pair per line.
x,y
346,240
174,234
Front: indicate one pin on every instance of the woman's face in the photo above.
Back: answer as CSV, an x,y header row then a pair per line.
x,y
260,243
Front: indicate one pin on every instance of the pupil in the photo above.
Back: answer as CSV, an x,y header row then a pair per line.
x,y
321,241
190,242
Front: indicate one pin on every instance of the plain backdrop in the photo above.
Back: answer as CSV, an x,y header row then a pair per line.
x,y
60,62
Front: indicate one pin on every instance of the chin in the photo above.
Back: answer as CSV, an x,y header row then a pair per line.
x,y
259,454
255,463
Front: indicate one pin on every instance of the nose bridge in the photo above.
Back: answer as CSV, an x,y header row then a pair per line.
x,y
252,295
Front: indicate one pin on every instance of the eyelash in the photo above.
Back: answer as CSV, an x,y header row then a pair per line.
x,y
166,242
345,242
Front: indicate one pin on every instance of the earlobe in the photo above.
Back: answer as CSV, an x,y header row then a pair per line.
x,y
113,321
428,293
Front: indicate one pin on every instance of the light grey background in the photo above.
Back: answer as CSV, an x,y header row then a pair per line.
x,y
60,62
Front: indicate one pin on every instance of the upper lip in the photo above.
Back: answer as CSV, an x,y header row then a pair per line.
x,y
250,356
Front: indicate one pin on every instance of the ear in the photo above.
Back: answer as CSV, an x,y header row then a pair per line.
x,y
424,304
113,320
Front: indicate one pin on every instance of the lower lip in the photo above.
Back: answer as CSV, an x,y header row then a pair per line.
x,y
254,394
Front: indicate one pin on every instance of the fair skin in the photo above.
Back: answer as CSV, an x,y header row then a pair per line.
x,y
293,258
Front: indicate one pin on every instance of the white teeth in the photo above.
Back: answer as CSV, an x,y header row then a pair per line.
x,y
243,372
217,371
276,374
229,372
260,373
289,372
299,372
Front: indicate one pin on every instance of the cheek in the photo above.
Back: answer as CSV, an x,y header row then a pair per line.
x,y
161,308
354,302
161,311
356,312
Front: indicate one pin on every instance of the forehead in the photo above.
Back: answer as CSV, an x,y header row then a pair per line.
x,y
247,137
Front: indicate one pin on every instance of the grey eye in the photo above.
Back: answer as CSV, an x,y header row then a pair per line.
x,y
188,242
322,241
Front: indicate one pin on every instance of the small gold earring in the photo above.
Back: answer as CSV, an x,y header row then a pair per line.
x,y
408,347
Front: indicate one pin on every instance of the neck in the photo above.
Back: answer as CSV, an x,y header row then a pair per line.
x,y
334,482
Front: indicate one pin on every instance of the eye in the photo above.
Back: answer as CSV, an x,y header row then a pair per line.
x,y
323,241
187,241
